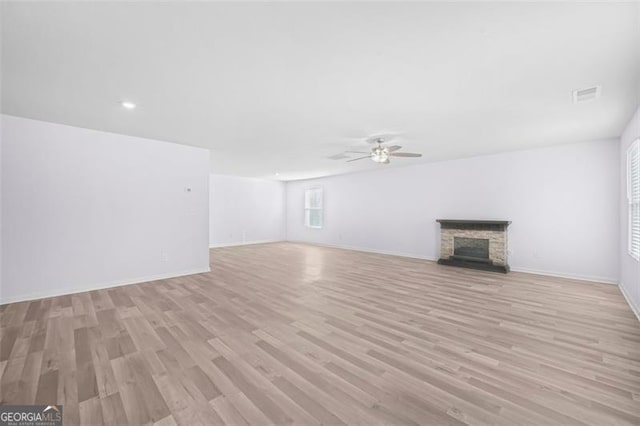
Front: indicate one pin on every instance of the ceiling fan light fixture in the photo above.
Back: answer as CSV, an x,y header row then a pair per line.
x,y
380,154
379,157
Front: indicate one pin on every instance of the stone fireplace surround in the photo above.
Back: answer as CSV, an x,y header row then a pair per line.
x,y
493,230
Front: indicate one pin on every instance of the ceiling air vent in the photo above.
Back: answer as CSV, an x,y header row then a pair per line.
x,y
587,94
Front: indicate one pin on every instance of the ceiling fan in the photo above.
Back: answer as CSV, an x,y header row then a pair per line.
x,y
380,153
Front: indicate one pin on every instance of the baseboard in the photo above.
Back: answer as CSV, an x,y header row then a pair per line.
x,y
246,243
368,250
634,308
102,286
515,269
595,279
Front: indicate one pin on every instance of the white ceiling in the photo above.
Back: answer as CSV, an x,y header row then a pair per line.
x,y
278,87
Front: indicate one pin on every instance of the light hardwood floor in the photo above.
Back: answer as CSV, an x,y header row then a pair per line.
x,y
297,334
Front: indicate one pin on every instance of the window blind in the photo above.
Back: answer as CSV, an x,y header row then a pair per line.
x,y
313,208
633,195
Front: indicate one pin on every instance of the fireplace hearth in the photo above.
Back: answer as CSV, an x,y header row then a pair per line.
x,y
477,244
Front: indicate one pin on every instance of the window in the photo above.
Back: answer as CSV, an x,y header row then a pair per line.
x,y
313,208
633,195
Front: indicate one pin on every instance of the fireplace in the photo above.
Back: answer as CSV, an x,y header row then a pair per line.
x,y
478,244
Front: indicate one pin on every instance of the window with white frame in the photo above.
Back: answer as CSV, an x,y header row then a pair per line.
x,y
633,195
313,210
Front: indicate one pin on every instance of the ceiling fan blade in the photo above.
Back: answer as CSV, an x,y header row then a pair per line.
x,y
393,148
359,152
405,154
340,156
359,158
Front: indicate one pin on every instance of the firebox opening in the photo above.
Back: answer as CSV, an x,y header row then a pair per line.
x,y
471,249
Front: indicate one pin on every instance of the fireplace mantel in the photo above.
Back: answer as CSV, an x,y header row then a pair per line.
x,y
473,224
455,231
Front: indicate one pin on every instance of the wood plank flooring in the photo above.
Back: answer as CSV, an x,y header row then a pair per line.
x,y
297,334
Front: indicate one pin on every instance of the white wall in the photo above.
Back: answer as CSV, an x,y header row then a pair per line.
x,y
1,139
629,267
85,209
562,202
245,211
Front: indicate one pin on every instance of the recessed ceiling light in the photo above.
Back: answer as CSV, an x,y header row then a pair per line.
x,y
128,105
277,174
